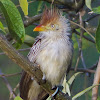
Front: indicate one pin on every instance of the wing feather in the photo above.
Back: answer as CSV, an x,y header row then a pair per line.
x,y
34,50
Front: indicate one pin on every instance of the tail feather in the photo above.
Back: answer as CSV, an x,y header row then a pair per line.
x,y
30,89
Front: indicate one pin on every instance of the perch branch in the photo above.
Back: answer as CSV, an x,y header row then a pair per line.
x,y
27,66
96,82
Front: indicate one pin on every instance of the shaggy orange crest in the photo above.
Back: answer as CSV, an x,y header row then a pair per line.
x,y
50,15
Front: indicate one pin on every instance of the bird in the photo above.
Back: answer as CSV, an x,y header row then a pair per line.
x,y
52,51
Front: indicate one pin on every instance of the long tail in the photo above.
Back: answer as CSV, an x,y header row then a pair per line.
x,y
30,89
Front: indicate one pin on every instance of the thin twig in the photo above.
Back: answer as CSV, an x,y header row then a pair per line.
x,y
20,50
9,75
89,70
85,37
14,90
80,41
83,70
83,29
79,54
94,66
91,17
17,86
83,62
7,84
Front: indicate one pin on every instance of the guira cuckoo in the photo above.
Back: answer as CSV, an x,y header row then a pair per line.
x,y
52,51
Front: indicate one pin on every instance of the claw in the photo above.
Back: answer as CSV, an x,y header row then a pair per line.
x,y
57,89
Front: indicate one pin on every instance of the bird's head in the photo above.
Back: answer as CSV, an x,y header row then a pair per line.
x,y
52,21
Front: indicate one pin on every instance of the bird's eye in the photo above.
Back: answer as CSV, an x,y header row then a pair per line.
x,y
52,25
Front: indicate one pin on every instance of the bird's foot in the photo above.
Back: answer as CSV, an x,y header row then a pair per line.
x,y
56,91
54,87
58,88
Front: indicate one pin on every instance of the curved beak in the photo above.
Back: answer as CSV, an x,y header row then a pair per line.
x,y
39,28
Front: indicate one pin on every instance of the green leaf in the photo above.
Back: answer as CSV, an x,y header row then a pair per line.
x,y
29,40
88,3
18,98
66,88
82,92
39,6
96,10
98,37
67,85
24,6
70,81
14,21
2,27
49,98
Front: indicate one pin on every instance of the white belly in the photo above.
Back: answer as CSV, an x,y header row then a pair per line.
x,y
54,60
